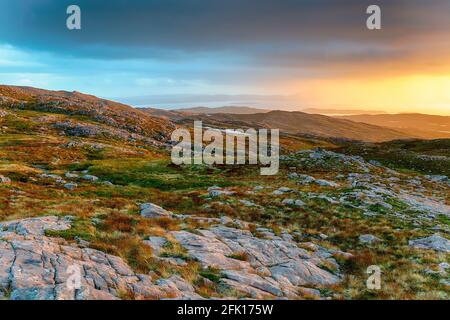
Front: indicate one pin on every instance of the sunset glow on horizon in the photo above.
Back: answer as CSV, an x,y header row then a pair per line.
x,y
273,54
408,94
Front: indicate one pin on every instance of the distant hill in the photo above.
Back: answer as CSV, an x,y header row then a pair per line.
x,y
301,123
229,109
422,125
165,114
426,156
340,111
89,107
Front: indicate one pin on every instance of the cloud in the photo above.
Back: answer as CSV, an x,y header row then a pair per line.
x,y
261,47
168,29
11,57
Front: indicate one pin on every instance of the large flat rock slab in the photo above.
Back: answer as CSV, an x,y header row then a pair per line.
x,y
36,267
271,268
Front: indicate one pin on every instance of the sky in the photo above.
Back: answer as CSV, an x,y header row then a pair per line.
x,y
281,54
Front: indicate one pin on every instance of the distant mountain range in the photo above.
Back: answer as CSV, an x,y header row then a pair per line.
x,y
252,110
340,111
296,123
171,115
415,125
422,125
157,124
226,109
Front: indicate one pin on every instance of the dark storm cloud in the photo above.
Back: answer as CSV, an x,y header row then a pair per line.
x,y
170,29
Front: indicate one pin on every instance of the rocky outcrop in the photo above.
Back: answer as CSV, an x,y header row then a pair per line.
x,y
434,242
370,190
326,183
216,191
34,266
5,180
151,210
262,268
329,160
156,243
114,119
89,177
368,238
70,186
281,191
293,202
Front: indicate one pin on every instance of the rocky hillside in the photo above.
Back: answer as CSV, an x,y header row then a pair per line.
x,y
172,115
34,266
230,110
81,193
299,123
309,233
421,125
105,112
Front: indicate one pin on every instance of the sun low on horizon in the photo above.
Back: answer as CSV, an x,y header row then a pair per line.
x,y
273,54
403,94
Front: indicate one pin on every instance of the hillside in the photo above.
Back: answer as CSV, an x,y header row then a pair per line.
x,y
171,115
342,112
88,107
226,109
423,125
426,156
302,123
78,188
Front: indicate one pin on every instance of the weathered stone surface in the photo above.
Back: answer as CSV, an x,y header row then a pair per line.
x,y
293,202
179,287
293,175
151,210
368,238
325,159
282,190
33,266
444,266
70,186
156,243
303,272
305,179
55,177
71,175
248,203
375,191
265,284
425,204
210,251
34,226
252,292
89,177
437,178
216,191
434,242
5,180
272,268
50,176
259,188
326,183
